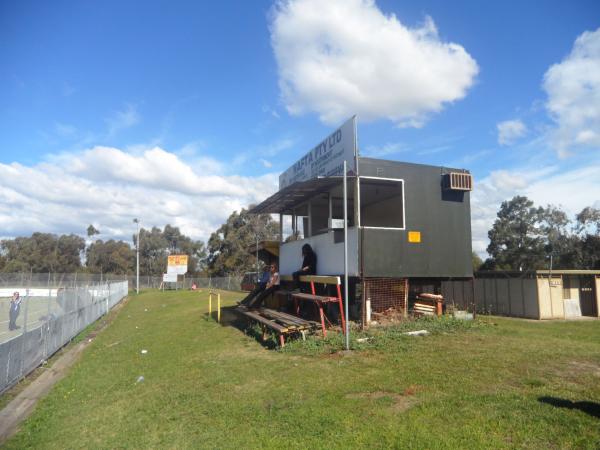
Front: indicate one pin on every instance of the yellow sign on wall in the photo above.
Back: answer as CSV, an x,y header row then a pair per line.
x,y
414,237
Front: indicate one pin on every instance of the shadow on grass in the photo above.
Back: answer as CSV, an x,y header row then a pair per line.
x,y
591,408
230,317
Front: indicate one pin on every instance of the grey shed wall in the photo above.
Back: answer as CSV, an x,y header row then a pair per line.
x,y
442,217
515,297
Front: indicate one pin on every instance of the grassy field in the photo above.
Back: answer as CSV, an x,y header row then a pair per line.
x,y
498,383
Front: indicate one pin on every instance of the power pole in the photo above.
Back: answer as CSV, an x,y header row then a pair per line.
x,y
137,253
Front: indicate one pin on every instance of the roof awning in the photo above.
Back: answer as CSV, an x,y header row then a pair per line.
x,y
270,247
284,200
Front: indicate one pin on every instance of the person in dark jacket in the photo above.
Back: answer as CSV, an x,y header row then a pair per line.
x,y
309,264
15,308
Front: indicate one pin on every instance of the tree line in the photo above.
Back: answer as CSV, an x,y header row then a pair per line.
x,y
225,254
528,237
523,237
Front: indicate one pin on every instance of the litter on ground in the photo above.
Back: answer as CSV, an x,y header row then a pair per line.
x,y
417,333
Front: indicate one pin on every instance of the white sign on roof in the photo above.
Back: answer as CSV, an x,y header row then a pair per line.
x,y
327,158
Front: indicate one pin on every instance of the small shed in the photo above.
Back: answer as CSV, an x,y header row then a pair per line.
x,y
539,294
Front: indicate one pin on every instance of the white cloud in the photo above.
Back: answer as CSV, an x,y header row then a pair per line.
x,y
342,57
266,163
510,131
64,129
123,119
108,187
390,148
571,189
573,88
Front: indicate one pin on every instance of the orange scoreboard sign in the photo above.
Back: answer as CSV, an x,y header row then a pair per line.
x,y
177,264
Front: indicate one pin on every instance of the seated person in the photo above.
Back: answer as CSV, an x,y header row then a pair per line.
x,y
272,286
309,264
261,285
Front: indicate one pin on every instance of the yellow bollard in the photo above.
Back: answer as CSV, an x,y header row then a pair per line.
x,y
209,305
219,308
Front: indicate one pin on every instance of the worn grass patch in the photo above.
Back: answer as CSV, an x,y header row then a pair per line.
x,y
494,383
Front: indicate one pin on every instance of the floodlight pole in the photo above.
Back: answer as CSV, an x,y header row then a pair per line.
x,y
346,257
137,253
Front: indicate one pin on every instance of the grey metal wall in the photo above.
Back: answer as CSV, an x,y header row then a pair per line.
x,y
442,217
515,297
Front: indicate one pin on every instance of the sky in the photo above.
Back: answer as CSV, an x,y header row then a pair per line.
x,y
182,112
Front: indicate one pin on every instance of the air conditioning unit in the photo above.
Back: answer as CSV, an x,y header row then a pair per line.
x,y
458,181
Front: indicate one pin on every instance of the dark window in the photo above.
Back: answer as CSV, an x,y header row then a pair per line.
x,y
381,203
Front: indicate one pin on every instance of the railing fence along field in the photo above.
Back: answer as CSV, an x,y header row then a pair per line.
x,y
50,316
56,280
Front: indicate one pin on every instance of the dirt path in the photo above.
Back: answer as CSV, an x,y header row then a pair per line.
x,y
24,403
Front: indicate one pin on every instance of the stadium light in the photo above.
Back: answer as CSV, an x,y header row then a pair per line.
x,y
137,254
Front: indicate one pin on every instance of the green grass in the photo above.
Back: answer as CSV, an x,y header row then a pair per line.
x,y
467,385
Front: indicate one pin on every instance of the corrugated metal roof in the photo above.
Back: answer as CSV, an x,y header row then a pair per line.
x,y
284,200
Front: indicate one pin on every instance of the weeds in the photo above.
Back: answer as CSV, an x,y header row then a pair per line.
x,y
390,337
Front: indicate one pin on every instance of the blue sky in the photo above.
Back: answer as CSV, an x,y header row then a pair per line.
x,y
180,112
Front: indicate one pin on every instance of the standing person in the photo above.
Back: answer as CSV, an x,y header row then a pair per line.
x,y
15,308
261,286
271,287
309,264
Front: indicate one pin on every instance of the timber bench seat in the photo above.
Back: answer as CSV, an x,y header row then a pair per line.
x,y
281,323
319,300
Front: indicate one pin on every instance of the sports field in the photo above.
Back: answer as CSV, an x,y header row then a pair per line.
x,y
34,309
498,383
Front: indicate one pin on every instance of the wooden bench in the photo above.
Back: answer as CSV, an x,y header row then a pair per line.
x,y
281,323
319,300
428,305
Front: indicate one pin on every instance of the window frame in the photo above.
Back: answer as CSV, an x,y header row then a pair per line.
x,y
401,181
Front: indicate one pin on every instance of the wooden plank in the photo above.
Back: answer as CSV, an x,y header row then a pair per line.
x,y
267,322
424,307
314,298
323,279
288,319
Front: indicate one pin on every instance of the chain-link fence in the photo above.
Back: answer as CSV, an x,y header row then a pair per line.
x,y
230,283
58,280
47,316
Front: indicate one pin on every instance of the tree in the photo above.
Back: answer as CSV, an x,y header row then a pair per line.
x,y
516,238
92,230
228,246
112,256
156,245
477,262
524,237
559,241
43,252
588,230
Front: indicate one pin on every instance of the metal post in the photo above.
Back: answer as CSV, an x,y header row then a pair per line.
x,y
280,227
346,257
137,254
